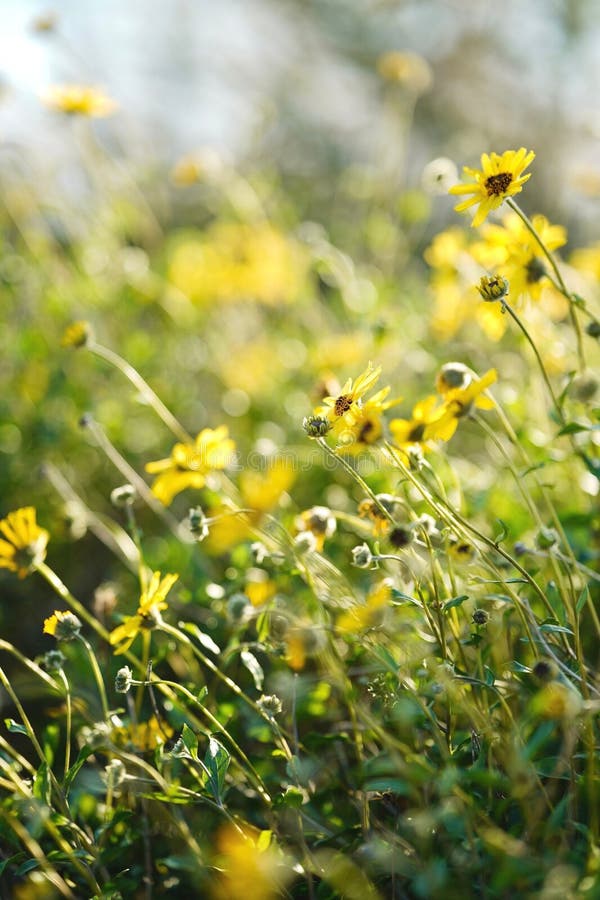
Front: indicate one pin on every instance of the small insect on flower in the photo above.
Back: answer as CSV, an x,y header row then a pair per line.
x,y
499,177
22,543
348,401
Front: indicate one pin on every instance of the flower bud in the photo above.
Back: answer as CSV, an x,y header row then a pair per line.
x,y
65,626
123,496
362,556
316,426
493,287
271,704
546,538
123,680
481,617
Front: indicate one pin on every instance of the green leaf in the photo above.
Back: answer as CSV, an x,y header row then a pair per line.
x,y
555,629
202,638
576,428
15,727
84,753
254,667
490,678
582,599
456,601
41,784
190,741
504,532
217,761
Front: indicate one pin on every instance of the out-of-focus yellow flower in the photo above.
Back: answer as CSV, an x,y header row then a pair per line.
x,y
79,100
366,425
556,701
408,69
499,177
250,866
359,618
152,603
142,736
587,260
517,253
259,590
260,491
76,335
459,401
455,273
234,262
429,421
23,543
189,464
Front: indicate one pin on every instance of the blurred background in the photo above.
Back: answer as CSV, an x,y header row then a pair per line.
x,y
297,82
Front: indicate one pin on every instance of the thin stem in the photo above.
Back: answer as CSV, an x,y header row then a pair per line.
x,y
97,676
143,387
358,478
563,288
130,474
69,722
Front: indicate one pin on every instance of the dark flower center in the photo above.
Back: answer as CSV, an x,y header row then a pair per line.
x,y
498,184
535,270
416,433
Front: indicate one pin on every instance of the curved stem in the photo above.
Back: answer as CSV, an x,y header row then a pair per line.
x,y
143,387
563,287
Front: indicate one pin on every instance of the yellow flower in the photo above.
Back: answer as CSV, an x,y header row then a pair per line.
x,y
143,736
343,410
365,427
429,421
360,618
231,262
408,69
23,544
76,335
189,464
64,626
249,864
152,602
459,401
518,254
500,177
79,100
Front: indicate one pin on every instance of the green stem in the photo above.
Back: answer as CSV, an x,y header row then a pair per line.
x,y
358,478
143,387
97,676
563,288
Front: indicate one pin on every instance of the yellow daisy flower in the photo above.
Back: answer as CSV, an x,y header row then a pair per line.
x,y
460,400
79,100
23,543
518,254
152,602
189,464
370,614
365,427
429,421
346,405
499,177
